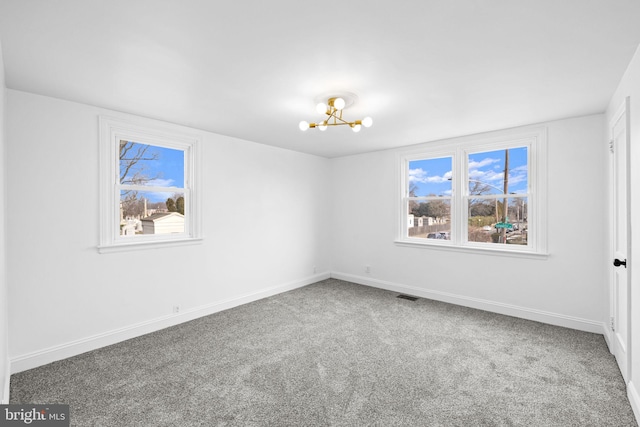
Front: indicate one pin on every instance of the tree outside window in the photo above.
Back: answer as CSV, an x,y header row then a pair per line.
x,y
149,177
479,194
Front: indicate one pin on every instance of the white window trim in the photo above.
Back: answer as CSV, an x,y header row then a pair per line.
x,y
112,131
534,138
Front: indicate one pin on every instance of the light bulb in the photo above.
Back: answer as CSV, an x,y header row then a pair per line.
x,y
367,122
303,125
322,125
339,103
356,128
321,108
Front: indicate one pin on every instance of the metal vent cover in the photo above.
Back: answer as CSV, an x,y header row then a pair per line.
x,y
407,297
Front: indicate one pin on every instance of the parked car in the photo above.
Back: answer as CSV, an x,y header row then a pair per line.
x,y
438,235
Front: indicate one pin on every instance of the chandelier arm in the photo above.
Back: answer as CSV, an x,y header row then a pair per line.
x,y
341,124
336,118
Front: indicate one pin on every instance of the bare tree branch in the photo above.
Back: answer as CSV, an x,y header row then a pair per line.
x,y
131,171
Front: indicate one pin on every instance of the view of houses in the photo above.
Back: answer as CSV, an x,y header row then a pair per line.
x,y
480,229
157,220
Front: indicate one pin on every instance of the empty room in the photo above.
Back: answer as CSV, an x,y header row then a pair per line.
x,y
310,214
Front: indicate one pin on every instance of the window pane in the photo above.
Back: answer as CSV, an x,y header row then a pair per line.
x,y
151,212
489,222
429,219
142,164
486,172
430,177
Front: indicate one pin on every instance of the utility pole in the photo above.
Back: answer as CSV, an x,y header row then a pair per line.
x,y
505,201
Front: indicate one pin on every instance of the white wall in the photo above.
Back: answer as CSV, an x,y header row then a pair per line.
x,y
630,86
270,216
4,327
564,289
265,214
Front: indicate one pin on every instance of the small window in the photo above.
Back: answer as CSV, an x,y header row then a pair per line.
x,y
151,189
149,186
497,196
429,198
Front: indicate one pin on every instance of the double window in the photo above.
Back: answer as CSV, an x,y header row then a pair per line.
x,y
149,186
476,194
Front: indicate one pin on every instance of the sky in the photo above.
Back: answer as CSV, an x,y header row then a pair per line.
x,y
168,170
433,176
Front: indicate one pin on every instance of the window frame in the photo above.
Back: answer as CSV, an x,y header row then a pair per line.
x,y
112,131
535,139
436,154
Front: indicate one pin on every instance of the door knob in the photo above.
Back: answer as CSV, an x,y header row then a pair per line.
x,y
618,263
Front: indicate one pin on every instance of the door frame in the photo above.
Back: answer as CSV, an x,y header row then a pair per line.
x,y
621,114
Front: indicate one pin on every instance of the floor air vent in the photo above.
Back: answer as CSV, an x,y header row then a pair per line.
x,y
410,298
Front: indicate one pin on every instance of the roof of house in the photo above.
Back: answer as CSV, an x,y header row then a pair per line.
x,y
162,216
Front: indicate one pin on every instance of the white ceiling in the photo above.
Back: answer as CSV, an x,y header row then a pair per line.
x,y
423,69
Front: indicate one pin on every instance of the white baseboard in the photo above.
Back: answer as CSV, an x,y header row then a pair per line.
x,y
608,337
634,399
6,385
74,348
42,357
492,306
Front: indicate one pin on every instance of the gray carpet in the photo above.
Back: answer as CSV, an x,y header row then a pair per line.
x,y
336,353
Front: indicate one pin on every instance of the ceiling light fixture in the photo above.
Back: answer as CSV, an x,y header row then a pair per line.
x,y
333,110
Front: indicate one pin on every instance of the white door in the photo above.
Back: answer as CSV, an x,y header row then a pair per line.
x,y
620,216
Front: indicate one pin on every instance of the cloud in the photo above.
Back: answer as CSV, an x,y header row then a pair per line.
x,y
482,163
486,176
421,176
158,182
496,179
517,178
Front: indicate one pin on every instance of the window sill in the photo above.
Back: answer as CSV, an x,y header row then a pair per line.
x,y
137,246
473,249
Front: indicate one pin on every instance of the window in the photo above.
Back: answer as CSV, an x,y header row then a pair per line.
x,y
476,194
496,196
149,192
429,198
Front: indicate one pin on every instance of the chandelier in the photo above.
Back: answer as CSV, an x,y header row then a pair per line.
x,y
333,110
